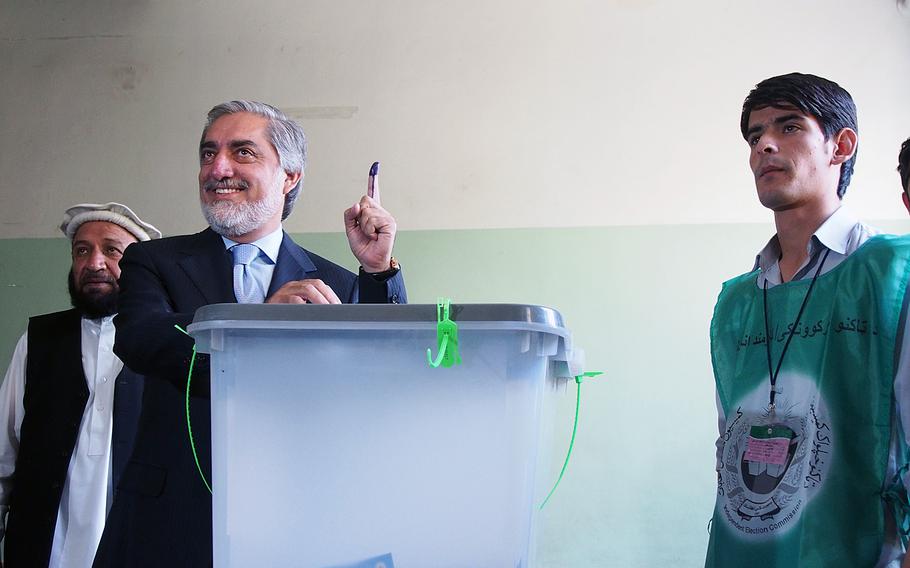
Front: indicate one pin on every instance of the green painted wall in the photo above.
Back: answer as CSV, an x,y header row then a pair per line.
x,y
640,488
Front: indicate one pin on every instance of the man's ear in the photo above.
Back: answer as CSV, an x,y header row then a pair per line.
x,y
906,201
290,181
844,146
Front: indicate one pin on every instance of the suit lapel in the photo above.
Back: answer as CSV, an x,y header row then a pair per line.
x,y
292,264
208,265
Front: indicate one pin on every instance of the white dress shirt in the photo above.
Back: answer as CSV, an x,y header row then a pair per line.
x,y
87,491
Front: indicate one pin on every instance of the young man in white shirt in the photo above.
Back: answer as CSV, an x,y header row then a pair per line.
x,y
808,354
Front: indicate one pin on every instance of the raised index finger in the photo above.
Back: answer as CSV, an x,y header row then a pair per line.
x,y
373,183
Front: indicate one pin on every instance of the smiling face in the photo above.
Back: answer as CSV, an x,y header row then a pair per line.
x,y
241,182
97,248
792,162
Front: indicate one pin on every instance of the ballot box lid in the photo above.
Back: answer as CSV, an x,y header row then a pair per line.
x,y
376,316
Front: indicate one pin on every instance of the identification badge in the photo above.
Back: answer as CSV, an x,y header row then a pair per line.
x,y
768,444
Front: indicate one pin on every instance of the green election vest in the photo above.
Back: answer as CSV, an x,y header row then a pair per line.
x,y
803,486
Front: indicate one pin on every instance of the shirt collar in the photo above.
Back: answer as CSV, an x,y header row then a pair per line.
x,y
269,244
98,323
835,233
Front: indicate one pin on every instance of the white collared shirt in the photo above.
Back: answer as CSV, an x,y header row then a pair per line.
x,y
87,491
841,233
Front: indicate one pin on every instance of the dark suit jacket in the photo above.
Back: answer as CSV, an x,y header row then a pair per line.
x,y
162,512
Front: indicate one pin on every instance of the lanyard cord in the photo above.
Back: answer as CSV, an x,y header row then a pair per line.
x,y
772,373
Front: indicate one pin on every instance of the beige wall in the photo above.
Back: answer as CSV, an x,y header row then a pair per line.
x,y
485,114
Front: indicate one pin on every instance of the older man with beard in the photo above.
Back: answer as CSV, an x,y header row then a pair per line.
x,y
252,158
69,406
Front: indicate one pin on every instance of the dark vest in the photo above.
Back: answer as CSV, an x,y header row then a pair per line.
x,y
54,401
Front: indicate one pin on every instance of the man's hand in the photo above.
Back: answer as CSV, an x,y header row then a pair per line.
x,y
310,291
371,233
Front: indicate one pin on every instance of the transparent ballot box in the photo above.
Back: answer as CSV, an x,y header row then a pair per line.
x,y
336,444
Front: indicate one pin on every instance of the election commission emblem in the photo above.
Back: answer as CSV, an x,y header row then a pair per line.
x,y
773,463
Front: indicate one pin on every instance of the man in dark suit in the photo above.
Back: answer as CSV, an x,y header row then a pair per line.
x,y
252,159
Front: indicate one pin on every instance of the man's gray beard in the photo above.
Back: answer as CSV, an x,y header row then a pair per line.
x,y
235,219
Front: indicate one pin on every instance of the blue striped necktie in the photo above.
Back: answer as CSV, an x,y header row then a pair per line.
x,y
245,288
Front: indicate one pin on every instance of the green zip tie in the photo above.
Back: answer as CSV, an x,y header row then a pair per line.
x,y
189,427
446,338
578,380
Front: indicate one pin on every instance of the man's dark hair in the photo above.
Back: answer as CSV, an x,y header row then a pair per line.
x,y
830,104
92,306
903,164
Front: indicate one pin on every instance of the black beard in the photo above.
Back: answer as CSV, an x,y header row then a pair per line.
x,y
92,306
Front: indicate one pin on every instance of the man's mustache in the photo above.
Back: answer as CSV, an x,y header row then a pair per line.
x,y
98,279
229,183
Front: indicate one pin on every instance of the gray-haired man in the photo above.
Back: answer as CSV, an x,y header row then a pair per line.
x,y
251,160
